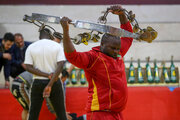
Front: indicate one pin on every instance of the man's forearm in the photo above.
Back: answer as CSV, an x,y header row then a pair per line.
x,y
68,45
37,72
56,73
123,19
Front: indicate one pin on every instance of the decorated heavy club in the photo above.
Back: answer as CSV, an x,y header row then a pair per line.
x,y
147,35
86,25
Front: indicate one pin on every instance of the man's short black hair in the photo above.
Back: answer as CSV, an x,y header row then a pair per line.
x,y
65,73
8,37
45,33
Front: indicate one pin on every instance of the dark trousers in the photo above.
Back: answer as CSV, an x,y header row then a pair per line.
x,y
16,70
56,97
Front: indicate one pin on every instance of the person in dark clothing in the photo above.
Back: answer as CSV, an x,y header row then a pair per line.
x,y
18,54
5,56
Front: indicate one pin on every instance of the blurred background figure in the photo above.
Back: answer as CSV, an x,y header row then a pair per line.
x,y
18,53
5,55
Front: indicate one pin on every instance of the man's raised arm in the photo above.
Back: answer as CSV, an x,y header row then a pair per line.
x,y
125,24
68,45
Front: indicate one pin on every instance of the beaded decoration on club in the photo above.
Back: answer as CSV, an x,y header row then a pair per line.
x,y
148,34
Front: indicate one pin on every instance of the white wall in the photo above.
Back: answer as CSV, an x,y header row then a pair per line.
x,y
163,18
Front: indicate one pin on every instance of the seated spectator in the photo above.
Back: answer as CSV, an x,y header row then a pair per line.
x,y
5,56
18,52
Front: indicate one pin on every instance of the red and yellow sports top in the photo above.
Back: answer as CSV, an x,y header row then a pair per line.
x,y
106,76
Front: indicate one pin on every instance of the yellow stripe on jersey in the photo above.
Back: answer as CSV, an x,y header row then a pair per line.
x,y
95,101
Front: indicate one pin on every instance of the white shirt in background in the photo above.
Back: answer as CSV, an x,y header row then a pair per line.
x,y
44,55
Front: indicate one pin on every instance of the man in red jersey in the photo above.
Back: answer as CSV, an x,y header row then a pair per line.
x,y
104,69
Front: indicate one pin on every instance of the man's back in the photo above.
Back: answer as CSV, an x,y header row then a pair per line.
x,y
44,55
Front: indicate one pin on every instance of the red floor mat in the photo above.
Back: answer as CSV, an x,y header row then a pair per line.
x,y
144,103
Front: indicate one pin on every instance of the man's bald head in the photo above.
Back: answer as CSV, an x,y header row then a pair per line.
x,y
107,38
110,45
